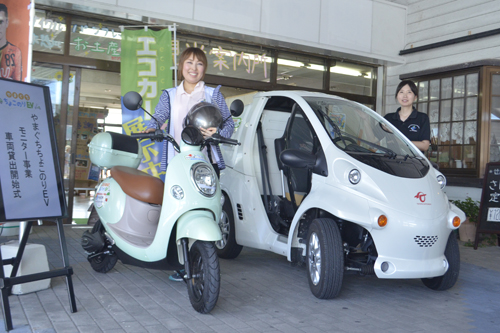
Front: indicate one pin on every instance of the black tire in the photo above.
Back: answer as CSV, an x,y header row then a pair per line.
x,y
102,263
204,286
325,258
227,248
448,280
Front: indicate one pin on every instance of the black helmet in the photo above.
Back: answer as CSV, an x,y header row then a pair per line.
x,y
203,114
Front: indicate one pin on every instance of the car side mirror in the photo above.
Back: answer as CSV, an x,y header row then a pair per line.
x,y
132,100
237,108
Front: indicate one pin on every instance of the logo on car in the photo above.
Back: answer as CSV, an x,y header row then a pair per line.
x,y
421,196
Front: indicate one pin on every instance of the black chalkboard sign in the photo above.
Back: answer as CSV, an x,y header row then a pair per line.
x,y
489,209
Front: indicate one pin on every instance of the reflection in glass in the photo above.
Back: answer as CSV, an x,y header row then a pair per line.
x,y
470,132
49,31
300,71
458,109
458,86
433,112
422,107
352,78
444,133
495,139
456,159
422,91
444,156
457,133
445,114
471,108
469,156
434,89
472,84
495,84
95,39
446,85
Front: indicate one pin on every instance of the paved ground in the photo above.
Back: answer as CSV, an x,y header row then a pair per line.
x,y
260,292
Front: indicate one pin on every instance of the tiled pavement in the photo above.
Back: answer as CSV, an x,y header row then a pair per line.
x,y
260,292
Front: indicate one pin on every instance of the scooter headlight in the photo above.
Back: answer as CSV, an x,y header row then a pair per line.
x,y
441,181
204,178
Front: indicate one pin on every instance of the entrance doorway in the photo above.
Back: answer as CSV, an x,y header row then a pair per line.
x,y
84,102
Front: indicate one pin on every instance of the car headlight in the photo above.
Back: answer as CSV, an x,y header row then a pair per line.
x,y
354,176
204,178
441,181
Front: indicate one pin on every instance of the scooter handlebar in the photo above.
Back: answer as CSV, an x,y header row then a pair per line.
x,y
217,138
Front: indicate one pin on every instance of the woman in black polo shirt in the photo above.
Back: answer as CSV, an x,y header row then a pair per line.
x,y
413,124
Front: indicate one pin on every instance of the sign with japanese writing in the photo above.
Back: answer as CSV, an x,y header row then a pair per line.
x,y
489,211
30,175
145,68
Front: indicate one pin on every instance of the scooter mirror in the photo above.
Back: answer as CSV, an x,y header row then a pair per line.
x,y
192,136
132,100
237,108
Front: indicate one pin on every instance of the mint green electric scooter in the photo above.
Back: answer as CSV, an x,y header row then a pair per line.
x,y
151,224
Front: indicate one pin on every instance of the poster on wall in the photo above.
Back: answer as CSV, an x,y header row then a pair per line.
x,y
31,185
15,39
146,61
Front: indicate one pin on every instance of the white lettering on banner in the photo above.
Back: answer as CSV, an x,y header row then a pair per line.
x,y
148,57
152,66
145,42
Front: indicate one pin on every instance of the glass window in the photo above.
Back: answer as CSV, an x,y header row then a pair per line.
x,y
231,60
48,32
495,119
452,108
95,39
300,71
352,78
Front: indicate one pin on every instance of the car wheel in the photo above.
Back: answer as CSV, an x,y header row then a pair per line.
x,y
102,263
227,247
448,280
325,258
203,287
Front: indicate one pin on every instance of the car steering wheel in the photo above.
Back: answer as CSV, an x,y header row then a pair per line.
x,y
346,139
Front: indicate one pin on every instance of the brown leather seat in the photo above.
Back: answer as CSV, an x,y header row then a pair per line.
x,y
139,185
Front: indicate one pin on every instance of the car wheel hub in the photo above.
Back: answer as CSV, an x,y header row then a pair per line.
x,y
314,258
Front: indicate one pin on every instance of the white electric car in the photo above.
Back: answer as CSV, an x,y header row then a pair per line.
x,y
330,183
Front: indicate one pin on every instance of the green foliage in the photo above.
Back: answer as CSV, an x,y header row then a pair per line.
x,y
469,207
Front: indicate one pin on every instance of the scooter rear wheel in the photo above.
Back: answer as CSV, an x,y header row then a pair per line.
x,y
102,263
204,286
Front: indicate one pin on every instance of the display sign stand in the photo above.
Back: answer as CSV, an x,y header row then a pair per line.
x,y
489,208
7,283
31,183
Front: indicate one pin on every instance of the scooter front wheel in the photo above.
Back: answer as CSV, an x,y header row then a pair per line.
x,y
204,286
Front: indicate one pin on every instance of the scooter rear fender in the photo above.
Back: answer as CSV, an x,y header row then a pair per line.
x,y
196,225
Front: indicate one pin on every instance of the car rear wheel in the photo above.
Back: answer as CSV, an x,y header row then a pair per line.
x,y
227,248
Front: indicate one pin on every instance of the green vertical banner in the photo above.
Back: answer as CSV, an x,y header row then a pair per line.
x,y
146,61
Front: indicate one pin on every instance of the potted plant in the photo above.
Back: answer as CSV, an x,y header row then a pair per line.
x,y
467,230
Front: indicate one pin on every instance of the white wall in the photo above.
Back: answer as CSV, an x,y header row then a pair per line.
x,y
431,21
372,30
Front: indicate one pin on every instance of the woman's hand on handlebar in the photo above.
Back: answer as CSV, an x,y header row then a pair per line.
x,y
149,130
208,132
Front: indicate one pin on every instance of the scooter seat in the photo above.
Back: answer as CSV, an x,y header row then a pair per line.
x,y
139,185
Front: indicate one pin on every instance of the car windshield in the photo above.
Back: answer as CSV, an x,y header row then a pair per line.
x,y
355,128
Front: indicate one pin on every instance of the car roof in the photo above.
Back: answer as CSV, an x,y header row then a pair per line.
x,y
295,94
